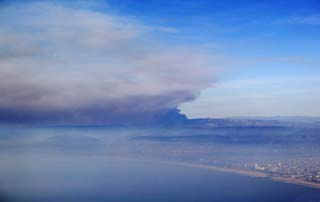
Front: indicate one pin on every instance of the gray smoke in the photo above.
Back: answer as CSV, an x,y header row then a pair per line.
x,y
61,63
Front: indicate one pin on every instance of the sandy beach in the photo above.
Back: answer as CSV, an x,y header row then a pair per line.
x,y
221,169
297,182
235,171
251,174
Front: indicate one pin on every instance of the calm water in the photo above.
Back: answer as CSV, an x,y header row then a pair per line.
x,y
92,179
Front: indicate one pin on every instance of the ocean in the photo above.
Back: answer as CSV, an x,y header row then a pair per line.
x,y
68,178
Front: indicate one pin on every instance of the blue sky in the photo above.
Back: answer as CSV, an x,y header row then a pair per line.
x,y
130,57
269,52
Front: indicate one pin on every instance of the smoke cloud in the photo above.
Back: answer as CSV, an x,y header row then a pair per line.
x,y
69,64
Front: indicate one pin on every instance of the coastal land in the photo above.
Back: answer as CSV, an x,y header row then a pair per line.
x,y
297,182
249,173
220,169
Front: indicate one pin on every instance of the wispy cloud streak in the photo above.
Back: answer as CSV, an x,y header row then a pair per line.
x,y
306,20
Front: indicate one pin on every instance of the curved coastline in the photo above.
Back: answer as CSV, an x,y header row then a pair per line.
x,y
251,174
234,171
220,169
296,181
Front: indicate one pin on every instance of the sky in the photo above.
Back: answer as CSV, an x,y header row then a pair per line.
x,y
135,60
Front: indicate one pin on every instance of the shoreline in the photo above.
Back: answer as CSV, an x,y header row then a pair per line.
x,y
220,169
249,173
296,182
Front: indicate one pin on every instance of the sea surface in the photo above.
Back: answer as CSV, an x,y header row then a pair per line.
x,y
59,178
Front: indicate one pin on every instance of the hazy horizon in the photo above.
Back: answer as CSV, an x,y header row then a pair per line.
x,y
159,100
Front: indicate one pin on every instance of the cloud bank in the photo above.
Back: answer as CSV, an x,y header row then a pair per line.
x,y
69,64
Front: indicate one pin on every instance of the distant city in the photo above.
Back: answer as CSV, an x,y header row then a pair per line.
x,y
285,150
